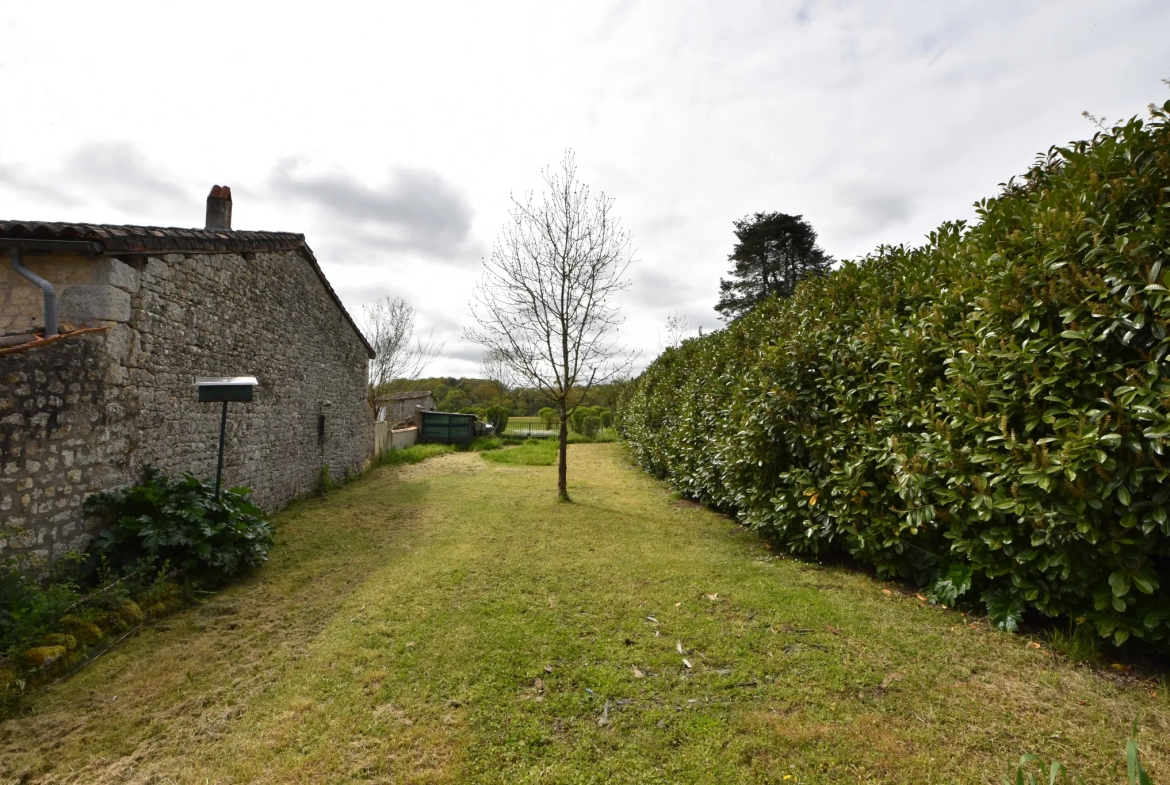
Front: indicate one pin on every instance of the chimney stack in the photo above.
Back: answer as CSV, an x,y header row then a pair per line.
x,y
219,208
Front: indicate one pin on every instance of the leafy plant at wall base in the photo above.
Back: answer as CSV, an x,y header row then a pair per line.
x,y
324,482
10,694
987,415
181,522
48,626
28,610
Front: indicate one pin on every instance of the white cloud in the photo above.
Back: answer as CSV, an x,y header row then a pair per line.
x,y
414,209
411,123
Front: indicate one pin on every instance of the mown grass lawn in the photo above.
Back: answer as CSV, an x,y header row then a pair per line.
x,y
451,622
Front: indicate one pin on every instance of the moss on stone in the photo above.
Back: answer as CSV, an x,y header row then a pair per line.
x,y
130,612
86,632
44,657
63,639
162,599
110,622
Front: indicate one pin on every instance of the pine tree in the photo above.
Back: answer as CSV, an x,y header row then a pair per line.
x,y
775,251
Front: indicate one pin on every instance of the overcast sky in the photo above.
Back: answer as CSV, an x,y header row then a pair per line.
x,y
392,134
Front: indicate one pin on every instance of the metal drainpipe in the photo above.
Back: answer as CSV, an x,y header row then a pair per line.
x,y
46,287
17,247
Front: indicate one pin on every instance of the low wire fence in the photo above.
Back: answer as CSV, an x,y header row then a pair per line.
x,y
528,430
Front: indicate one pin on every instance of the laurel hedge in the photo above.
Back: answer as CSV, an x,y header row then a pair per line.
x,y
987,414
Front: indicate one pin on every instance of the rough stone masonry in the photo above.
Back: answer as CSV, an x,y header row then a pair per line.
x,y
85,412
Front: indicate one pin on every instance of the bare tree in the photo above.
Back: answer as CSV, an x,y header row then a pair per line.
x,y
546,304
678,329
495,369
389,327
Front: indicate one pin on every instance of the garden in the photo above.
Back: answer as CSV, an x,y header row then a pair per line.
x,y
452,621
908,523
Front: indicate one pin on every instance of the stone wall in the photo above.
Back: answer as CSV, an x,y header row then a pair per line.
x,y
126,395
54,446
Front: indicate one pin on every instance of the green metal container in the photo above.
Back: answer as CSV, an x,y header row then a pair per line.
x,y
446,427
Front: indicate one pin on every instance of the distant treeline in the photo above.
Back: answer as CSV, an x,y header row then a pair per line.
x,y
477,395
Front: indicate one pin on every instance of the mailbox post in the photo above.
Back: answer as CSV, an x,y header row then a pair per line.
x,y
216,389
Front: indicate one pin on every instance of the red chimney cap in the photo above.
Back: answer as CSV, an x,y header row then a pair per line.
x,y
220,192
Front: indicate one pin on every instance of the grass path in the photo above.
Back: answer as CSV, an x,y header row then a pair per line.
x,y
451,622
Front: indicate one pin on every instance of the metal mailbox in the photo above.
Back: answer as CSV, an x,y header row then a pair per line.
x,y
224,389
213,389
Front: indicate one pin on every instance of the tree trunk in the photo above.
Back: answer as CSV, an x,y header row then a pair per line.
x,y
562,465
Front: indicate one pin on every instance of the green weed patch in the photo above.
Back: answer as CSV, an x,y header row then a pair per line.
x,y
533,452
414,454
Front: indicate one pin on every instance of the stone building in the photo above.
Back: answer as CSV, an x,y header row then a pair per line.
x,y
396,407
141,311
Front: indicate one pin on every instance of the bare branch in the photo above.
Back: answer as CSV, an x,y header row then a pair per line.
x,y
389,327
496,370
678,329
